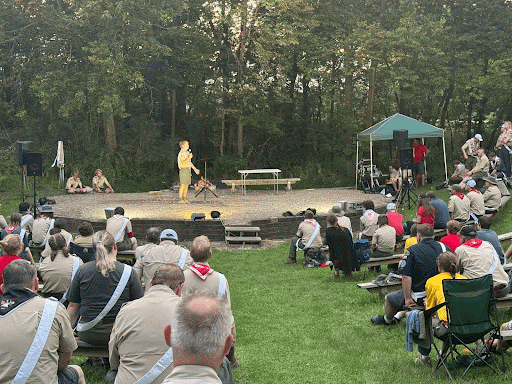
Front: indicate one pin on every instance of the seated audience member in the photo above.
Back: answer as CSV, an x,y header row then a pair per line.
x,y
412,238
341,248
343,221
20,317
447,267
128,361
60,225
120,228
201,276
481,168
59,268
492,195
395,220
42,226
476,199
418,265
485,233
27,220
200,337
3,222
166,252
100,183
496,167
459,204
86,232
308,236
442,215
395,177
74,185
476,258
459,173
452,239
152,238
93,287
425,215
14,228
368,222
384,239
12,246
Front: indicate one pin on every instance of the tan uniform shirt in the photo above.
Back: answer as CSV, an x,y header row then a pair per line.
x,y
492,197
165,253
100,181
482,163
40,229
460,171
211,284
56,274
72,183
184,159
471,147
47,250
17,331
143,250
82,241
193,374
28,226
345,222
3,222
385,238
137,339
477,205
114,225
369,222
476,262
306,230
459,207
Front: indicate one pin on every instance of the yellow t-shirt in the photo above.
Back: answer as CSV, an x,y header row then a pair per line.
x,y
434,288
410,241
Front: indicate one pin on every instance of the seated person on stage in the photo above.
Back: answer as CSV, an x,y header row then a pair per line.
x,y
12,247
481,168
121,230
459,204
447,267
395,177
384,239
60,226
442,215
452,239
395,220
343,221
476,258
93,287
27,220
42,226
57,269
485,233
492,195
308,236
128,361
74,185
419,264
100,183
368,222
470,149
476,199
14,228
20,317
459,173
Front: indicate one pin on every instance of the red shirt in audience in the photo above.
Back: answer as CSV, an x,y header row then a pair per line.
x,y
452,241
395,221
4,261
425,219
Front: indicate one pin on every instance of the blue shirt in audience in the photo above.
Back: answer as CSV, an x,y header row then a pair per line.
x,y
491,236
442,215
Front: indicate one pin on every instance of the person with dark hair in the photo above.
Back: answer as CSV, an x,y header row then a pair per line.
x,y
412,237
485,233
476,258
384,239
92,290
74,185
27,220
86,232
459,173
100,183
58,269
308,236
59,223
368,222
452,239
14,228
25,315
341,248
459,204
442,215
128,361
153,239
420,153
417,266
343,221
425,215
42,226
120,228
447,267
12,247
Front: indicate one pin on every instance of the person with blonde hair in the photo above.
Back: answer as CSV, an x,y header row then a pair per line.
x,y
452,239
14,228
12,246
99,289
59,268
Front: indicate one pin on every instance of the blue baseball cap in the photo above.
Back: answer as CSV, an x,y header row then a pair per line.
x,y
169,234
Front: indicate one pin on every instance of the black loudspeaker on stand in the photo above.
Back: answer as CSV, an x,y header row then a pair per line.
x,y
400,139
34,163
406,158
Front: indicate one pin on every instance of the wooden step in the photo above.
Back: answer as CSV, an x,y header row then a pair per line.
x,y
243,239
242,229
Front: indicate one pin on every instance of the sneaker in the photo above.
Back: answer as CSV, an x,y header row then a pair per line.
x,y
235,364
290,261
380,320
424,360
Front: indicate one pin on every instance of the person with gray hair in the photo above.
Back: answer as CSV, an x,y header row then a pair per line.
x,y
153,239
32,326
200,336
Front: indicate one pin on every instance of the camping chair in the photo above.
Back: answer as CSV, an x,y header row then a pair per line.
x,y
472,314
86,254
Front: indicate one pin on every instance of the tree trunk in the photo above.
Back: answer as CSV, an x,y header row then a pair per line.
x,y
222,130
444,111
110,129
371,97
470,117
173,112
240,137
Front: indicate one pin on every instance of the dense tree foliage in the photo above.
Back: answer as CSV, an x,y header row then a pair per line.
x,y
251,83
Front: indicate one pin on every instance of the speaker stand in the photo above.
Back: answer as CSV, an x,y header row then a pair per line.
x,y
404,194
35,198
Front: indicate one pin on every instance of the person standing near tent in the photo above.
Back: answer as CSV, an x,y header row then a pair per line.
x,y
420,152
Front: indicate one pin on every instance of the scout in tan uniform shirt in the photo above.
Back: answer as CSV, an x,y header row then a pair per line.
x,y
59,227
307,229
481,168
131,330
100,183
74,185
153,239
368,221
126,240
20,313
185,164
469,150
26,218
459,204
492,196
166,252
384,239
476,199
41,225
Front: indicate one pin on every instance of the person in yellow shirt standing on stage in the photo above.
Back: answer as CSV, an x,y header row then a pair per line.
x,y
185,164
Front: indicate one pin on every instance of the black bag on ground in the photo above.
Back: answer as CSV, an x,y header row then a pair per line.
x,y
362,250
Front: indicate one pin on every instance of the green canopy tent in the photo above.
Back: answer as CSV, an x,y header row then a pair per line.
x,y
384,131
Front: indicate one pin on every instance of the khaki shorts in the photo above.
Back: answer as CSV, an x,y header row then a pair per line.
x,y
185,176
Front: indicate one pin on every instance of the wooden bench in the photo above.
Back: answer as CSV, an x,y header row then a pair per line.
x,y
377,261
382,290
288,182
242,235
86,349
127,256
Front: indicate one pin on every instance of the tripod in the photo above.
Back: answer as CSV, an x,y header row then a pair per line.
x,y
404,193
206,188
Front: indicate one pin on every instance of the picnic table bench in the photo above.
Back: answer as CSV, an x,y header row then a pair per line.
x,y
241,234
377,261
288,182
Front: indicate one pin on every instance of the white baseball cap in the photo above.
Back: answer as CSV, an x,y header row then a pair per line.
x,y
479,137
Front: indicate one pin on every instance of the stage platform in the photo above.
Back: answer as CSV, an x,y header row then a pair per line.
x,y
258,208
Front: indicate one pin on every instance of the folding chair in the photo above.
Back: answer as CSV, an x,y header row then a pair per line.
x,y
472,314
85,253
